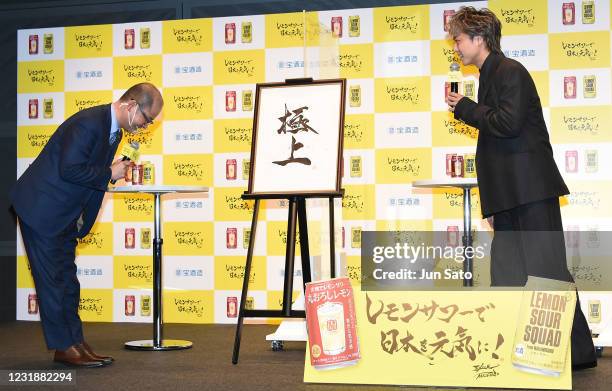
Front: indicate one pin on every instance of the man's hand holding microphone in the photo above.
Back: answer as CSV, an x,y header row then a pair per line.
x,y
454,77
129,153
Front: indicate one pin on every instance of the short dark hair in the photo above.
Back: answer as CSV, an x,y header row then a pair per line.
x,y
143,93
473,22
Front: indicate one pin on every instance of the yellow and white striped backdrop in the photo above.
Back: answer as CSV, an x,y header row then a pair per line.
x,y
397,130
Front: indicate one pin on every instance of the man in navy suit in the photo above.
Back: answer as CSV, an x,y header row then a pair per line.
x,y
57,200
519,181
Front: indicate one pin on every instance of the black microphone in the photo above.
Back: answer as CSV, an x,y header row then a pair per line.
x,y
129,152
453,77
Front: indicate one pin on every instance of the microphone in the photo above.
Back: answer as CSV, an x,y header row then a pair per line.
x,y
454,76
129,152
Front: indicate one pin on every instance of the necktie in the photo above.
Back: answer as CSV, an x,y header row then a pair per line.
x,y
113,137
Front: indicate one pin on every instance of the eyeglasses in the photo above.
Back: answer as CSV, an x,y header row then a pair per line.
x,y
149,120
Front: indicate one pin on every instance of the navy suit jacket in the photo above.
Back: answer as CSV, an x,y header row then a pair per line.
x,y
514,158
69,176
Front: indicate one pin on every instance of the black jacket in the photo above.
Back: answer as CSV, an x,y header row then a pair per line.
x,y
514,158
69,176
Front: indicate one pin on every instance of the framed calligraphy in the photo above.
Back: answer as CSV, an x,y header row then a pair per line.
x,y
297,138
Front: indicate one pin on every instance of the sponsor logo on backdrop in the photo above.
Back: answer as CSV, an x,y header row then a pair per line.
x,y
290,29
188,272
142,72
353,131
42,77
82,104
140,272
518,16
92,239
402,23
138,204
288,64
188,136
580,49
238,134
405,93
189,204
189,170
189,306
185,69
189,239
189,103
91,305
191,35
239,66
88,271
91,74
89,41
402,59
353,202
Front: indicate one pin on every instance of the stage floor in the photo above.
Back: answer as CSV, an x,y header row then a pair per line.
x,y
206,366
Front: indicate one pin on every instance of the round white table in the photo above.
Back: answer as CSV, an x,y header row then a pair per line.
x,y
466,184
158,342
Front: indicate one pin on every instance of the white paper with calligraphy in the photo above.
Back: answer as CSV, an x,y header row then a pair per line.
x,y
331,323
298,131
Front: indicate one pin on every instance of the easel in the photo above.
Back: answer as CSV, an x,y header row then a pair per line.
x,y
296,215
261,188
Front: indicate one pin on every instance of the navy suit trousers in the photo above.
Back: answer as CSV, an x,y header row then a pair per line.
x,y
52,260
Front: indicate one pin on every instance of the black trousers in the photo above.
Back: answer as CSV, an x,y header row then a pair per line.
x,y
529,241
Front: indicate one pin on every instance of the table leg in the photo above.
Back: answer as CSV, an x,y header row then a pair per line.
x,y
158,343
468,266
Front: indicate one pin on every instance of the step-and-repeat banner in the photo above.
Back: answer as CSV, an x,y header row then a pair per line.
x,y
397,130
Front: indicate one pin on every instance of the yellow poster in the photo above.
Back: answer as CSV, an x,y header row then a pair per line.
x,y
229,205
133,272
89,41
40,76
405,23
521,16
24,273
359,131
188,307
188,170
359,202
130,70
133,207
446,340
187,36
99,241
96,305
356,61
32,139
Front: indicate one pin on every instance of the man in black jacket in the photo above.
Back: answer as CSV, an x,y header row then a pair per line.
x,y
519,181
57,200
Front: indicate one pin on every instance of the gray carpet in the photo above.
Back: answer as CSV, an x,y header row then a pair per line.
x,y
207,366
